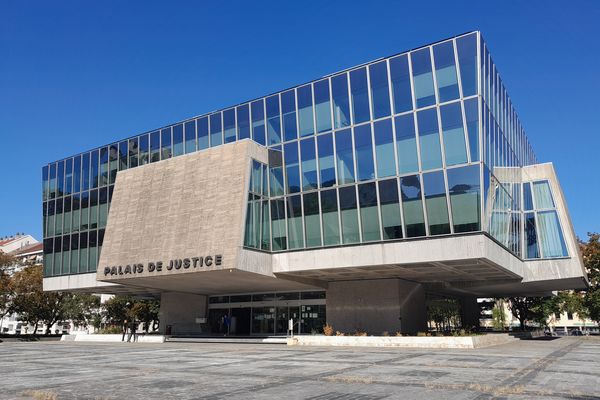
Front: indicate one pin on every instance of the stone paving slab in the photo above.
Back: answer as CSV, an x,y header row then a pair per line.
x,y
567,367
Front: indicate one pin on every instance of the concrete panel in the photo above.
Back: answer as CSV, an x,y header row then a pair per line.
x,y
181,312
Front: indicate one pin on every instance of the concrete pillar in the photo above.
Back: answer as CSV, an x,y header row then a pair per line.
x,y
375,306
470,312
182,311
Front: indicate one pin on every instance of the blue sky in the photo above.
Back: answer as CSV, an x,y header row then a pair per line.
x,y
75,75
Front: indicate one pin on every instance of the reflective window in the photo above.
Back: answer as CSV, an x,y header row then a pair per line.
x,y
278,225
400,76
465,192
551,237
190,136
384,148
165,143
76,176
380,94
422,78
288,110
305,110
466,47
527,198
69,176
350,232
412,206
312,224
369,216
435,201
294,220
445,71
390,209
322,105
60,178
202,125
113,162
364,152
292,173
531,241
216,130
341,101
326,161
228,125
472,118
345,160
360,95
178,140
52,179
123,155
155,146
309,164
429,138
329,207
273,120
94,161
276,181
258,121
243,122
265,243
454,135
542,195
407,144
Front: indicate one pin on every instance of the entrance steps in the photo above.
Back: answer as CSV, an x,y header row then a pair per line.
x,y
229,339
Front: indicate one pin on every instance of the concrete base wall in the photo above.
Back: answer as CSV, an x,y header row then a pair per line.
x,y
181,312
375,306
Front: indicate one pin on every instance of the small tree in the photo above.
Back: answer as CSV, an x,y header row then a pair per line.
x,y
83,309
117,309
6,291
145,311
590,252
499,316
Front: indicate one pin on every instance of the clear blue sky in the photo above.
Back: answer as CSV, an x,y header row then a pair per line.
x,y
75,75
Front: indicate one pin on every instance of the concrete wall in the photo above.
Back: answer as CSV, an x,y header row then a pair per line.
x,y
375,306
180,311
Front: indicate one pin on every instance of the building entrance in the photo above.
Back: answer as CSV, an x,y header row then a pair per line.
x,y
240,321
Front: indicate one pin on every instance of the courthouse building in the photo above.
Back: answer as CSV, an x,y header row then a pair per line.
x,y
351,199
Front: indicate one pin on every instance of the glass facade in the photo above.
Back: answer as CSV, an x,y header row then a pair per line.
x,y
407,146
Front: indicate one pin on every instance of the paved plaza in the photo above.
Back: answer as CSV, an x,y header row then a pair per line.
x,y
529,369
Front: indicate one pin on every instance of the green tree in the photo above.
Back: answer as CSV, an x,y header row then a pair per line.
x,y
117,309
445,313
83,310
590,252
145,311
499,316
6,292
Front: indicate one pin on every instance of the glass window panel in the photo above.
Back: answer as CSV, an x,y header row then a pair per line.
x,y
202,126
229,125
407,144
435,201
76,175
258,121
305,110
329,207
243,122
60,178
454,135
278,225
155,146
465,192
94,165
273,120
326,161
45,183
216,131
531,241
144,152
276,181
400,75
360,95
412,206
123,155
292,172
466,47
165,144
265,243
345,159
527,198
322,105
190,136
472,117
445,71
390,209
384,148
429,139
113,162
350,231
422,78
288,111
52,179
309,164
369,216
341,101
542,195
312,224
380,92
294,220
364,152
178,140
69,176
551,236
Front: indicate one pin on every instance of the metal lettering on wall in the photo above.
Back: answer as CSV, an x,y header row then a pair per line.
x,y
159,266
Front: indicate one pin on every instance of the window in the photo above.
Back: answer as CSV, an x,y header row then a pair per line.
x,y
229,125
391,220
273,120
464,189
326,161
407,144
384,148
341,101
123,155
278,225
276,181
435,201
288,110
412,206
345,160
312,224
294,220
216,130
329,207
69,176
322,105
445,71
178,140
94,182
165,143
154,146
400,75
203,133
258,121
305,110
190,136
542,195
76,177
243,121
466,47
527,198
380,94
360,95
364,152
60,178
429,138
422,78
350,231
309,164
292,172
454,134
531,241
551,237
472,117
369,217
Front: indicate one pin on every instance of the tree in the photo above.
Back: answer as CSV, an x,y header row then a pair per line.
x,y
499,316
145,311
117,309
6,292
534,309
590,253
445,313
83,310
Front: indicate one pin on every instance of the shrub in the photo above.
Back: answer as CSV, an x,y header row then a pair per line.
x,y
110,330
360,333
328,330
385,333
398,333
338,333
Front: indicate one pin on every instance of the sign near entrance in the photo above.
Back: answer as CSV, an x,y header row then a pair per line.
x,y
159,266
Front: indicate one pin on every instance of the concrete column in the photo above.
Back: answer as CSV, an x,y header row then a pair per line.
x,y
375,306
180,311
470,312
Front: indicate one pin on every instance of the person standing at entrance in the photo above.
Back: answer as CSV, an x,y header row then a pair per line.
x,y
132,332
124,330
227,321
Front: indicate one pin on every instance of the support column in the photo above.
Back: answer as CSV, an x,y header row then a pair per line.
x,y
470,312
182,313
